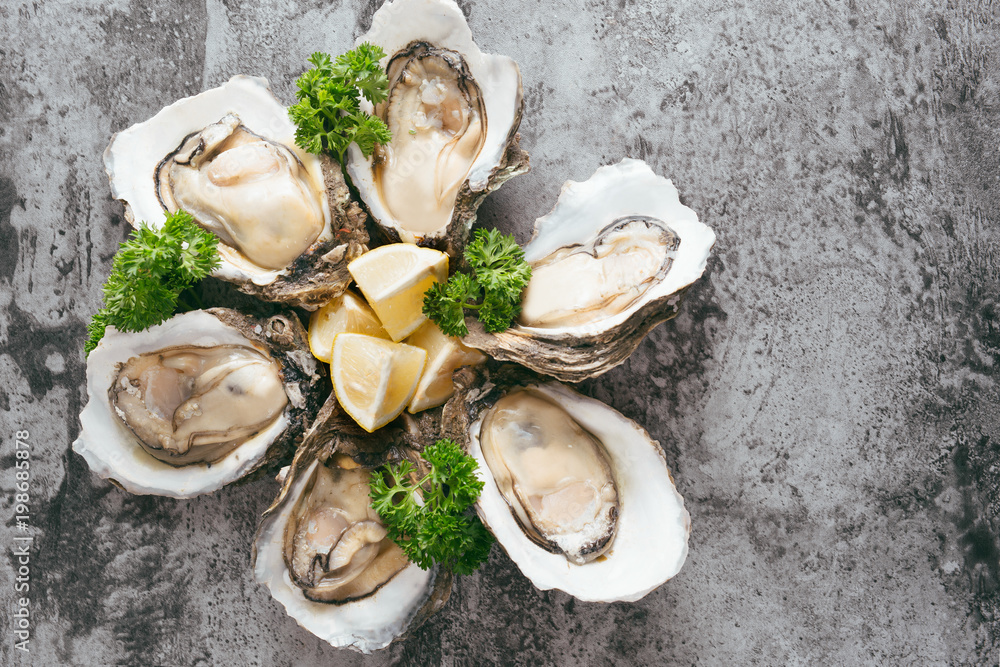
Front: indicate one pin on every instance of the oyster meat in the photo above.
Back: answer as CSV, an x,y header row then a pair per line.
x,y
553,474
191,403
254,194
199,401
609,263
336,548
438,123
600,278
285,218
580,497
453,112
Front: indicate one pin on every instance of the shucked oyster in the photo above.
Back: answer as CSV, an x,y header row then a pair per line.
x,y
434,109
453,112
199,401
580,497
254,194
285,218
610,262
323,552
554,475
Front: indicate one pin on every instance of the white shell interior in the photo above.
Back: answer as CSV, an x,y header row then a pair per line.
x,y
113,451
134,154
441,23
653,527
629,188
365,625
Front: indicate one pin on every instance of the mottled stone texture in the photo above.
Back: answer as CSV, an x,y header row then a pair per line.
x,y
827,398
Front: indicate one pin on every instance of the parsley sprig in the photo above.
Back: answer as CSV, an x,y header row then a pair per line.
x,y
150,271
328,113
492,291
430,519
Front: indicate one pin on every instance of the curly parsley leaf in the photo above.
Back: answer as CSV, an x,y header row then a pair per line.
x,y
135,303
150,271
498,311
431,519
361,68
499,276
445,303
368,132
498,263
328,115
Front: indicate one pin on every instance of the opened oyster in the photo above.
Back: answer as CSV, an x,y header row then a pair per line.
x,y
610,262
199,401
578,495
453,112
323,552
286,222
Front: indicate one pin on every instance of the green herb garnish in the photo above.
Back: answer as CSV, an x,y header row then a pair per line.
x,y
493,291
430,519
329,115
151,270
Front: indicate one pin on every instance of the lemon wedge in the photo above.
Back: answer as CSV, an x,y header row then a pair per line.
x,y
374,379
393,279
444,355
347,313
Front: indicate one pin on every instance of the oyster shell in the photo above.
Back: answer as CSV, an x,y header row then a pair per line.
x,y
648,542
322,552
454,113
287,224
197,402
610,262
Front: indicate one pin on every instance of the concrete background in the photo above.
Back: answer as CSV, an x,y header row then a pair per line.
x,y
827,399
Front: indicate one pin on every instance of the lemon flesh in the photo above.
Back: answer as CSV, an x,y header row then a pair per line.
x,y
444,355
393,279
374,379
347,313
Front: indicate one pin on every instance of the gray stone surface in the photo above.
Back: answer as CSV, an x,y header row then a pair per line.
x,y
827,399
